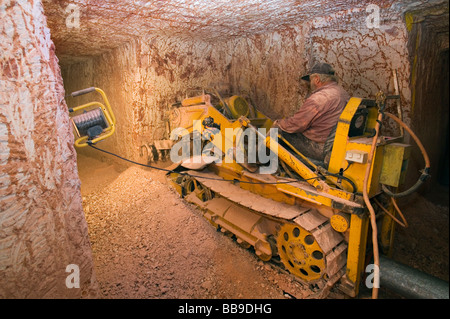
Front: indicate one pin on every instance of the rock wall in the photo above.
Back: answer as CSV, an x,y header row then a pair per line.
x,y
268,67
42,224
364,58
429,46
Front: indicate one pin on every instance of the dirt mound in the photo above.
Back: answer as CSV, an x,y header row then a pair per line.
x,y
424,243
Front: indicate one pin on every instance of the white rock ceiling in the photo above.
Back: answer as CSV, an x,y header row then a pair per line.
x,y
105,24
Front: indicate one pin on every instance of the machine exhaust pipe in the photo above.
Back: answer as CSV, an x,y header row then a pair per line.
x,y
411,283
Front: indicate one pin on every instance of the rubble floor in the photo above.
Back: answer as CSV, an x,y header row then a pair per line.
x,y
148,243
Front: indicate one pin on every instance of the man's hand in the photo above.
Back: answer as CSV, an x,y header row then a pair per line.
x,y
275,124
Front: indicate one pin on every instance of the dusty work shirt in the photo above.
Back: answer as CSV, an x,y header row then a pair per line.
x,y
318,114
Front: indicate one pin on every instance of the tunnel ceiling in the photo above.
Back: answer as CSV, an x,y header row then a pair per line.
x,y
105,24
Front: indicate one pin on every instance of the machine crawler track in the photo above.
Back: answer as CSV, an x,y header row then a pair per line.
x,y
299,238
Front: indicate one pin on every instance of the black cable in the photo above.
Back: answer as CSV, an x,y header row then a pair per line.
x,y
344,178
185,174
348,166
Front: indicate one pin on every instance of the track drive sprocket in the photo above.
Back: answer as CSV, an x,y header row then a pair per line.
x,y
300,253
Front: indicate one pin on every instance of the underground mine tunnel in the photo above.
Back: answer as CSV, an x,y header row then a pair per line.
x,y
76,222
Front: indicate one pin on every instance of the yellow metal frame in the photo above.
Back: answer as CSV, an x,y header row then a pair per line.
x,y
356,250
82,141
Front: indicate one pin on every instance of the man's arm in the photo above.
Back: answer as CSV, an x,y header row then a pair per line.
x,y
301,120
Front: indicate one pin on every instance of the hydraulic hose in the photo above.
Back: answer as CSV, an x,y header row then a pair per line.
x,y
402,223
373,220
425,173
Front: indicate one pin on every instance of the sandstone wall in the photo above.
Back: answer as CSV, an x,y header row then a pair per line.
x,y
429,45
364,58
42,224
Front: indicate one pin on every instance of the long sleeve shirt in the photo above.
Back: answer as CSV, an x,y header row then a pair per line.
x,y
319,113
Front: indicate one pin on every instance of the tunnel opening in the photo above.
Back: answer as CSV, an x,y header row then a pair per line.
x,y
428,47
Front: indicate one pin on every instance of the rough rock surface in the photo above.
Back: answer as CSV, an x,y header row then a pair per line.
x,y
94,27
42,227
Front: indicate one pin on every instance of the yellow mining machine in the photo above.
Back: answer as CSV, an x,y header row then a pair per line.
x,y
321,222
